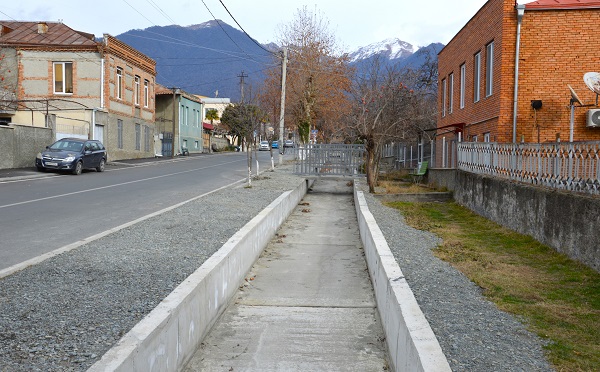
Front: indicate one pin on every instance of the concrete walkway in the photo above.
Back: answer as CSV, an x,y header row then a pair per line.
x,y
308,302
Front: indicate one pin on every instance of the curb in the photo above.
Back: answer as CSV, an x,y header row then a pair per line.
x,y
168,337
412,345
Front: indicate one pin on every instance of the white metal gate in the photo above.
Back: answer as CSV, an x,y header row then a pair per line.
x,y
330,160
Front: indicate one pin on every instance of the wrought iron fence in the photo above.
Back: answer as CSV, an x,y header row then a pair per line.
x,y
571,166
330,159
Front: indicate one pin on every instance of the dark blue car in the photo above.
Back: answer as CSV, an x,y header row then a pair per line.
x,y
72,155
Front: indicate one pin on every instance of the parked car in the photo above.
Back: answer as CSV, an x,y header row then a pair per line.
x,y
275,145
72,155
263,146
288,143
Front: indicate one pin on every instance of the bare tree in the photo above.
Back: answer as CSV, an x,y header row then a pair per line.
x,y
244,120
386,108
318,77
8,79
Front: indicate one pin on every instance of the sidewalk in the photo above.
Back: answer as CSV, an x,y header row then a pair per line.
x,y
307,303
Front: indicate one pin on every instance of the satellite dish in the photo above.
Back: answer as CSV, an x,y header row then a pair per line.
x,y
574,97
592,80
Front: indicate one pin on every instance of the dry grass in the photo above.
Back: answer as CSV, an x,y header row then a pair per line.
x,y
558,298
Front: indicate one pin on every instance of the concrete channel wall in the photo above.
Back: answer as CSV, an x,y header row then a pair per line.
x,y
411,343
167,338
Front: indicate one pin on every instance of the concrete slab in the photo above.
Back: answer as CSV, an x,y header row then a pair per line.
x,y
308,302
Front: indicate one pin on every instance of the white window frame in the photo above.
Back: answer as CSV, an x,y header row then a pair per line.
x,y
477,77
463,72
64,78
136,92
486,137
451,93
146,92
489,69
119,83
444,96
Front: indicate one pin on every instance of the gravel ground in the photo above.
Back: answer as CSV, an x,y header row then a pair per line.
x,y
473,333
65,313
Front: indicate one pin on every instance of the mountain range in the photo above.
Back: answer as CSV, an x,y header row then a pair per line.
x,y
213,58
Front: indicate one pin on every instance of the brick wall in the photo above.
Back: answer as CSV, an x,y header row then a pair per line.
x,y
557,48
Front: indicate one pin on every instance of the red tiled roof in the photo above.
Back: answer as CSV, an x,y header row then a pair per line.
x,y
562,4
43,34
208,126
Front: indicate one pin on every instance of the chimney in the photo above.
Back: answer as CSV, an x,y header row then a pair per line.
x,y
42,28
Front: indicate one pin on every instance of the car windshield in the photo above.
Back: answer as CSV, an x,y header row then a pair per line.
x,y
67,146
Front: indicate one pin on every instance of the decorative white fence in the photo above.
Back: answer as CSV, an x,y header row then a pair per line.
x,y
573,166
330,160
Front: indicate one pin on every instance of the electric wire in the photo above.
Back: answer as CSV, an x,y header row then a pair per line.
x,y
244,31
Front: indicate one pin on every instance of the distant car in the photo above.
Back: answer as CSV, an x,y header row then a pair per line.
x,y
275,145
263,146
72,155
288,143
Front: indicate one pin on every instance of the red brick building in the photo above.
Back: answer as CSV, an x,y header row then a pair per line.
x,y
557,42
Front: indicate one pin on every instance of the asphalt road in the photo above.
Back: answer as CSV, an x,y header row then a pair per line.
x,y
41,214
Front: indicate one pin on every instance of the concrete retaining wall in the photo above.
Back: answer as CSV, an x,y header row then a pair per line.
x,y
166,338
412,345
564,220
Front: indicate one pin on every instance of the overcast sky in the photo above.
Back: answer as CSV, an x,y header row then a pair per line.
x,y
355,23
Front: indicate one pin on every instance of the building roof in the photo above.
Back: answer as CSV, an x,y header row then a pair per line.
x,y
44,35
562,4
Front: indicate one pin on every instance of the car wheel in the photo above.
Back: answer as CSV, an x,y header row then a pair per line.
x,y
78,168
100,167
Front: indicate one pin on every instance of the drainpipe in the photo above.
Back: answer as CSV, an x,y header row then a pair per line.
x,y
520,12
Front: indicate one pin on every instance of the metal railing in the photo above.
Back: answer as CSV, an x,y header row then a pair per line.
x,y
330,160
573,166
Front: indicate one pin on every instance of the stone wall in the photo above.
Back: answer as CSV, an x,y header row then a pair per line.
x,y
565,221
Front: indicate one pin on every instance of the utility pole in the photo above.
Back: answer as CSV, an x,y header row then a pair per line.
x,y
282,104
242,76
174,117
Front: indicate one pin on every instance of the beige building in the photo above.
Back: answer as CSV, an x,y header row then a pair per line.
x,y
64,80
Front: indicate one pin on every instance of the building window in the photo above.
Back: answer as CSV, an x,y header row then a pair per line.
x,y
463,70
477,77
119,83
63,77
138,137
120,133
444,95
146,138
196,144
474,138
136,91
450,93
486,137
146,97
489,69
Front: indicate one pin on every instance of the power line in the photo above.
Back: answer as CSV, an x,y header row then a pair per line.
x,y
219,23
244,31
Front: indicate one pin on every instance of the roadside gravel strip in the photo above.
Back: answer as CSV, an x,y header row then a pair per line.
x,y
63,314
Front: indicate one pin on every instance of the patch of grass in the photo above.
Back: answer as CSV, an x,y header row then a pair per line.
x,y
556,297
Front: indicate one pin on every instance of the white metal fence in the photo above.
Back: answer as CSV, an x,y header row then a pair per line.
x,y
573,166
330,160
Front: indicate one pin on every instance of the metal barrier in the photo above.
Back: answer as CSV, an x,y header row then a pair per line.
x,y
565,165
330,160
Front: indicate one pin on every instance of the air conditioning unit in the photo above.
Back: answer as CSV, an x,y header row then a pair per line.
x,y
593,118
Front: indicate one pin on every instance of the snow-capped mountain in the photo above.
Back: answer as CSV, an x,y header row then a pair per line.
x,y
392,48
